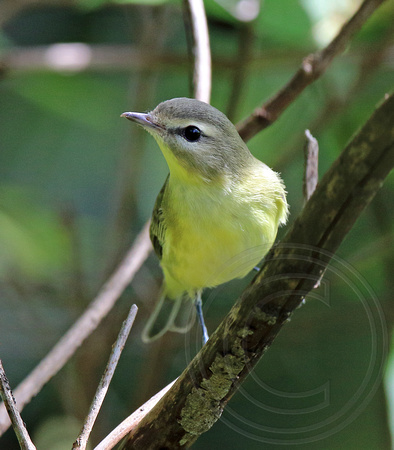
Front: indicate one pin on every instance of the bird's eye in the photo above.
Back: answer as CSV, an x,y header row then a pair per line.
x,y
192,133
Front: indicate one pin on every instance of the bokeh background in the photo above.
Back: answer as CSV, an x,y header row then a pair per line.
x,y
77,183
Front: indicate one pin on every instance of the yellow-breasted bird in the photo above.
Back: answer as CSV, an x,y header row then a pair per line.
x,y
218,211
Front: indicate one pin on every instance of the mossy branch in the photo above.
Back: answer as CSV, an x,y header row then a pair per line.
x,y
290,270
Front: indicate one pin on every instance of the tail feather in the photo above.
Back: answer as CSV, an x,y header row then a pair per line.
x,y
177,315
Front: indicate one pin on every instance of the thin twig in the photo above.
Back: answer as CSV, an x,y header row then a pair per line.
x,y
24,440
369,63
312,67
133,420
111,58
83,327
201,49
311,172
105,381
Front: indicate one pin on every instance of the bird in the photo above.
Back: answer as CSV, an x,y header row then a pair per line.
x,y
217,213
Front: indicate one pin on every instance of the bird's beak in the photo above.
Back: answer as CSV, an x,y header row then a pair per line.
x,y
146,120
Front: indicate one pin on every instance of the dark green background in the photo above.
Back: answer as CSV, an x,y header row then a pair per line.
x,y
77,183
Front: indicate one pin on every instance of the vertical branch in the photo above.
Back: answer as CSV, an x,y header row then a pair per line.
x,y
311,172
201,49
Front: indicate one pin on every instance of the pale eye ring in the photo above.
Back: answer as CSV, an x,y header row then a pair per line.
x,y
192,133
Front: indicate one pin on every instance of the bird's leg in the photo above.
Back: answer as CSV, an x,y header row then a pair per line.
x,y
198,303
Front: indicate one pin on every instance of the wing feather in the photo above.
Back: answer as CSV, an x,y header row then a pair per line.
x,y
158,226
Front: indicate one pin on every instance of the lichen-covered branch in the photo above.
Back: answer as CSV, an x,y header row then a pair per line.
x,y
290,270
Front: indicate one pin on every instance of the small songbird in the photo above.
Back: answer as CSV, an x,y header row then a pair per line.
x,y
218,211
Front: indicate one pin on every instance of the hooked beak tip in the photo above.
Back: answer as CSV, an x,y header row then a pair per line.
x,y
128,115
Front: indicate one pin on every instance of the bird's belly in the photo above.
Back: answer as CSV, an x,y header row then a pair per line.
x,y
208,253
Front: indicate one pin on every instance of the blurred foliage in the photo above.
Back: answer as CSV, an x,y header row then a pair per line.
x,y
77,183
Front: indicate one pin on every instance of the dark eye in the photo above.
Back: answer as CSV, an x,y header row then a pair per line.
x,y
192,133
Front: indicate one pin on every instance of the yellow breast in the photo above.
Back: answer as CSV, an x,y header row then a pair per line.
x,y
214,234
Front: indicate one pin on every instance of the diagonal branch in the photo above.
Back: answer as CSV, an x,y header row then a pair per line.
x,y
289,272
117,349
312,67
132,421
83,327
19,427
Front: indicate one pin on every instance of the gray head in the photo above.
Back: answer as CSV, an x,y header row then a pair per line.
x,y
195,136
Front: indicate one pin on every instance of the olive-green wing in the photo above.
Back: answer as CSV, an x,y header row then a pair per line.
x,y
158,225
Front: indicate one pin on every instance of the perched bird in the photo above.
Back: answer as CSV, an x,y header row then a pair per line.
x,y
218,211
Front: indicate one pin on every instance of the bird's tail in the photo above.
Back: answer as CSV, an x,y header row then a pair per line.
x,y
169,315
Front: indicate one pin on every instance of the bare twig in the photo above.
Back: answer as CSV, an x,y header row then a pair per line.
x,y
369,63
24,440
312,67
128,424
83,327
201,49
75,57
105,381
311,173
